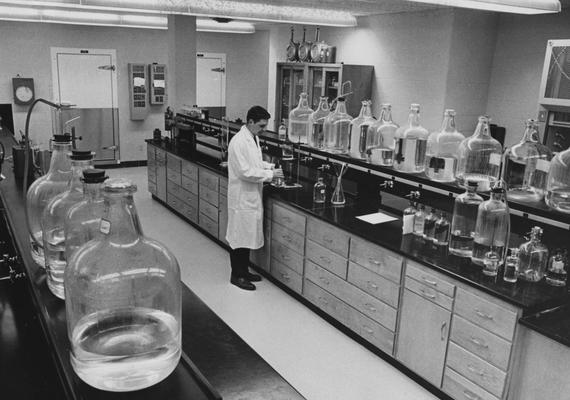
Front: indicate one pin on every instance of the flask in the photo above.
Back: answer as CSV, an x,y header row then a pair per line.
x,y
479,158
411,142
463,221
441,236
419,221
558,182
429,225
299,120
556,274
337,128
441,152
316,124
81,223
319,191
408,215
46,188
123,301
511,272
492,261
533,257
359,131
381,138
492,227
53,218
526,166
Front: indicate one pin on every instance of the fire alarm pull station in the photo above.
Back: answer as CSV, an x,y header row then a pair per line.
x,y
137,88
157,74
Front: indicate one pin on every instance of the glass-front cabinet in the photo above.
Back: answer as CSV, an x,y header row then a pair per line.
x,y
291,84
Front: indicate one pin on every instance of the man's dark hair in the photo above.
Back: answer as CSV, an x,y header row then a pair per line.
x,y
257,113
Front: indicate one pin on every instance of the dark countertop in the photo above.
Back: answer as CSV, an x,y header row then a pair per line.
x,y
210,348
553,323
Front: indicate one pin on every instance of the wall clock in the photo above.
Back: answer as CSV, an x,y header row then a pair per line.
x,y
24,93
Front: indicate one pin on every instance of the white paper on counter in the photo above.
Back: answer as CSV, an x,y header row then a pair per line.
x,y
376,218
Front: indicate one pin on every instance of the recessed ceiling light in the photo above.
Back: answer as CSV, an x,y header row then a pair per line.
x,y
507,6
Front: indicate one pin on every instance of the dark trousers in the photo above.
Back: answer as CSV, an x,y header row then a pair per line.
x,y
239,259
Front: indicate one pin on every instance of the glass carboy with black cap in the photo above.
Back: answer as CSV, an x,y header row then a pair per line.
x,y
123,301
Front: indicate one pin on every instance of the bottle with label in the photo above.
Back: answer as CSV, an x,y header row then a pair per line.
x,y
479,158
411,143
299,120
526,166
441,153
123,301
381,136
319,191
316,124
409,213
492,228
337,129
533,257
463,221
282,131
556,275
53,221
419,221
359,131
558,185
511,272
429,225
441,236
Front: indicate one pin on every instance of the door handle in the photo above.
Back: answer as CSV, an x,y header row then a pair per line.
x,y
443,330
113,147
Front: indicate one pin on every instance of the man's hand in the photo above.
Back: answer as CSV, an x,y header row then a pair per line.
x,y
278,174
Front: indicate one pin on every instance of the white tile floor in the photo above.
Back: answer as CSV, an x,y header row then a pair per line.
x,y
316,358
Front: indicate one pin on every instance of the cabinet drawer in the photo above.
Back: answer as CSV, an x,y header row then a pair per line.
x,y
190,212
209,179
476,370
209,225
151,172
211,196
190,170
208,210
292,240
223,185
223,202
460,388
490,316
174,189
174,176
483,344
328,303
354,297
287,276
326,259
174,202
417,271
286,256
429,293
374,333
328,236
373,284
160,155
189,198
190,184
173,163
152,187
289,219
376,259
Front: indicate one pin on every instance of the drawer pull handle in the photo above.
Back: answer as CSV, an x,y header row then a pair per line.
x,y
483,315
373,261
426,280
287,237
431,296
368,330
284,257
475,370
326,239
285,276
479,343
372,285
370,307
325,259
324,280
287,219
443,330
470,396
322,299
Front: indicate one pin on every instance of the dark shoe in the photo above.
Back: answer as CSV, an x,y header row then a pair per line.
x,y
242,283
253,277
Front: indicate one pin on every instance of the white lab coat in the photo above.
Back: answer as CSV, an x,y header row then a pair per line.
x,y
246,173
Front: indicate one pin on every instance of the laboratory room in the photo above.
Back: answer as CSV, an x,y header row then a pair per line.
x,y
284,199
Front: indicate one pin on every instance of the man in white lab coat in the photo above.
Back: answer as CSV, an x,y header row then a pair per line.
x,y
246,173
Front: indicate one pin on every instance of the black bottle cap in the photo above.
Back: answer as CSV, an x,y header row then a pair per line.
x,y
94,175
65,138
82,155
341,99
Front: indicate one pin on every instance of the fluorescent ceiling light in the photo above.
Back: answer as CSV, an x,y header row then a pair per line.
x,y
507,6
210,25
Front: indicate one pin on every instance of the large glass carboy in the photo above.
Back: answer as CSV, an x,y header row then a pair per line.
x,y
123,301
441,153
493,227
46,188
463,221
558,183
526,166
411,142
359,131
381,138
337,129
299,120
53,221
533,257
316,124
479,158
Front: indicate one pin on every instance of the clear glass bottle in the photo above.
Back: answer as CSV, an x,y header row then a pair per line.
x,y
463,221
479,158
511,272
493,227
556,275
441,235
319,191
429,225
558,185
409,213
411,143
53,221
299,120
282,131
81,223
526,166
533,257
123,301
44,189
419,221
359,131
441,153
337,129
381,138
316,124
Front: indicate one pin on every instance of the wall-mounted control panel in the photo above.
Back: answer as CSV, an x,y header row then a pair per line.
x,y
138,77
157,75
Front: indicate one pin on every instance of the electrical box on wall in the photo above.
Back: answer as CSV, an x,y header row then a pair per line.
x,y
138,89
157,75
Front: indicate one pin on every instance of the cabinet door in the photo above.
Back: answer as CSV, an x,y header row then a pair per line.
x,y
161,174
284,95
332,84
316,82
299,86
422,341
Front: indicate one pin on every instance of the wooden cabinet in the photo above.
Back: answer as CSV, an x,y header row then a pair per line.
x,y
160,162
